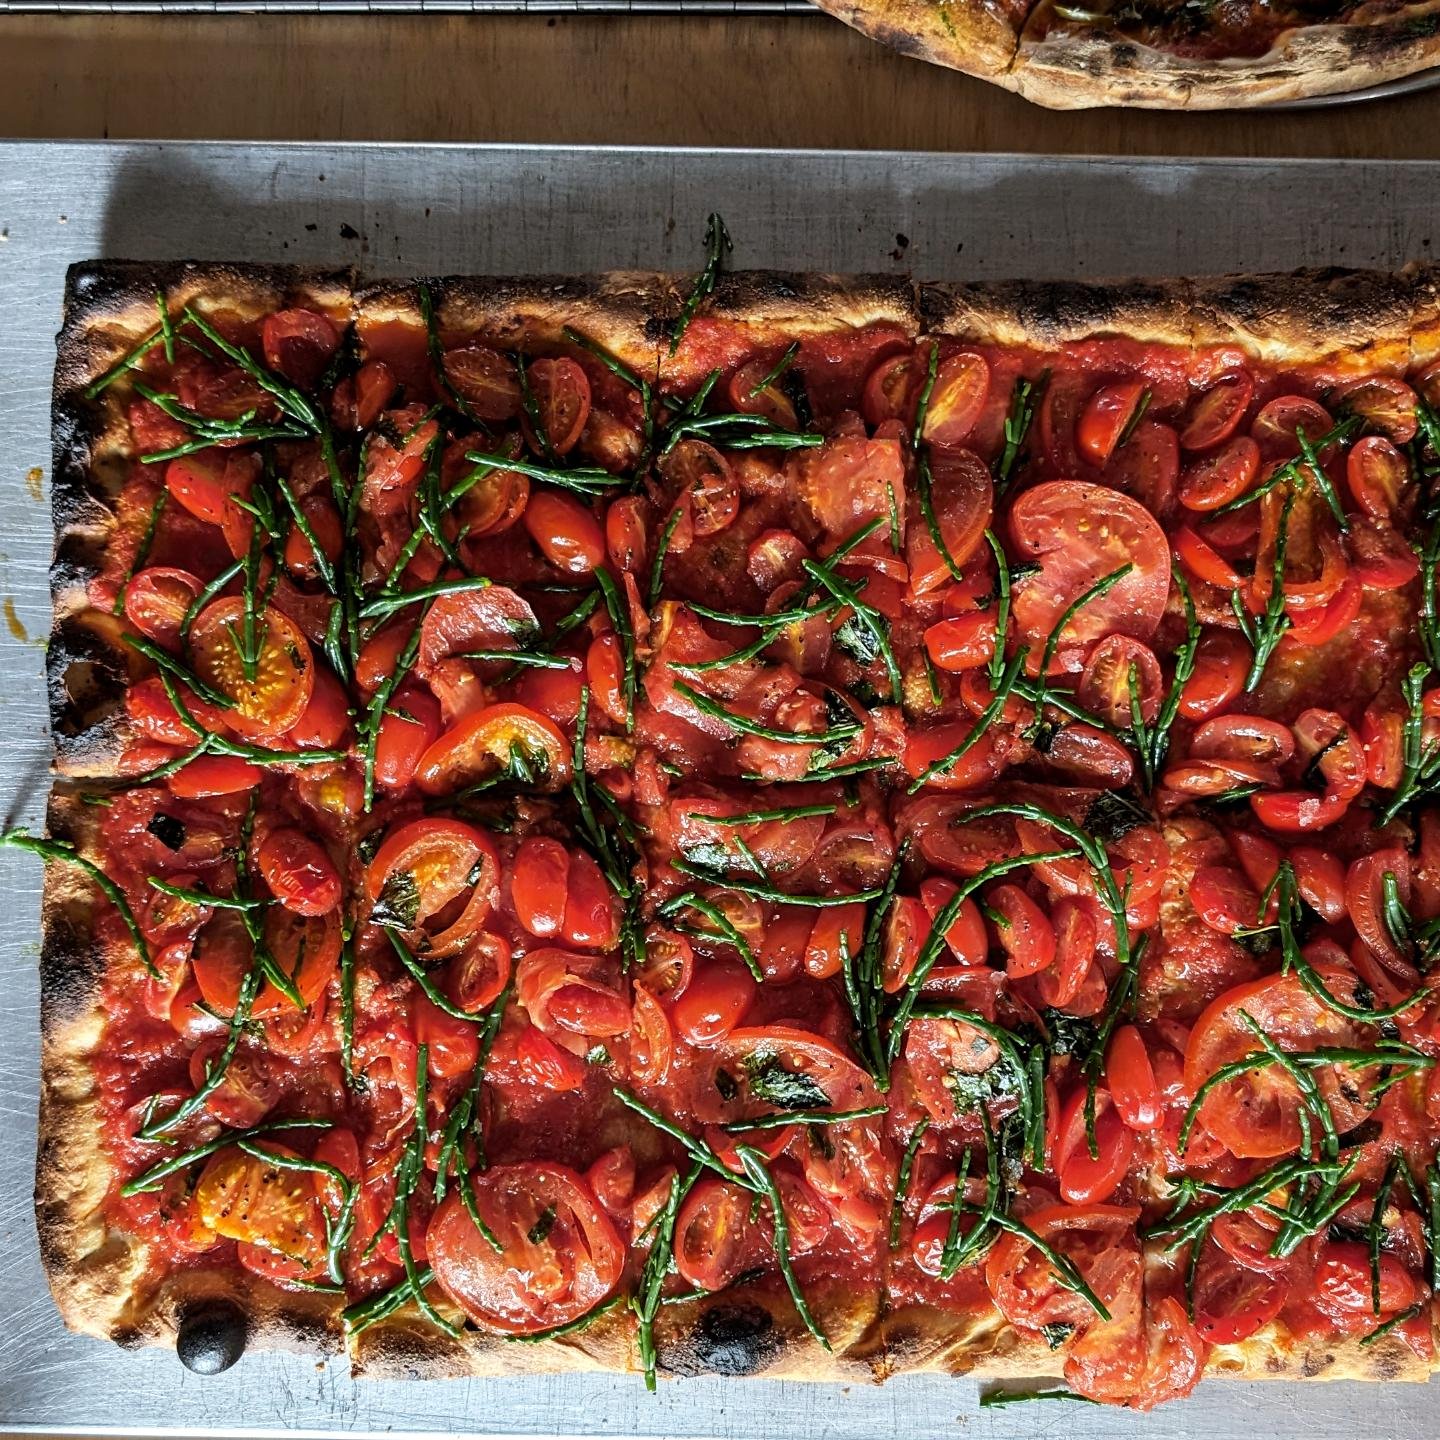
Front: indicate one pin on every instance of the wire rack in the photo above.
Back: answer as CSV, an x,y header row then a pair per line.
x,y
408,7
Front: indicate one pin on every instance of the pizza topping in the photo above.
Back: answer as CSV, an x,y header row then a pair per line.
x,y
948,818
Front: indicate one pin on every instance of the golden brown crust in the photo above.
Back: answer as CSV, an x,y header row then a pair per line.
x,y
1049,313
978,38
1075,66
1075,69
110,307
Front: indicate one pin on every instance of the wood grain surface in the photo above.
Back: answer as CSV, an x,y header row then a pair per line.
x,y
676,80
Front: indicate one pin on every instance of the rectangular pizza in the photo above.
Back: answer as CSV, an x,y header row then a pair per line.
x,y
747,824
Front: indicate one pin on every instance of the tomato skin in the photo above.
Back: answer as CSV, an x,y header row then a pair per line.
x,y
1203,561
837,927
750,395
1086,1179
1233,1302
454,1046
1220,477
539,883
592,913
1105,418
156,600
965,642
569,1266
300,874
1026,935
1130,1078
1364,901
1216,414
1221,663
976,767
967,938
714,1003
567,534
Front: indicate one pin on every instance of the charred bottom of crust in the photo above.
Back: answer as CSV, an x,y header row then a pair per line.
x,y
726,1339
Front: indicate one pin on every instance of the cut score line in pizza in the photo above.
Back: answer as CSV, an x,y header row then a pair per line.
x,y
747,823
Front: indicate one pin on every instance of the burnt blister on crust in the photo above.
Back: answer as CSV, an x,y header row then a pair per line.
x,y
727,1338
211,1337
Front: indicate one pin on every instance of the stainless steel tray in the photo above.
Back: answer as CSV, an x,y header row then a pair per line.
x,y
398,209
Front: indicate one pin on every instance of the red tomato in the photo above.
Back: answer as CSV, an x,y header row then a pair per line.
x,y
1076,934
1276,426
962,385
1255,1114
1320,878
561,392
1203,561
486,380
1220,477
454,1044
1130,1078
1024,931
751,395
299,344
299,872
1232,1302
963,643
1216,413
967,938
1340,1287
651,1039
715,1238
559,1256
156,600
206,483
892,389
1380,556
1087,1179
715,1001
1106,685
1385,404
1107,415
1243,737
592,911
627,538
977,766
409,727
326,720
270,699
705,487
539,882
1221,663
498,739
1365,901
568,534
1378,475
420,873
837,931
214,775
1099,1240
963,495
1078,533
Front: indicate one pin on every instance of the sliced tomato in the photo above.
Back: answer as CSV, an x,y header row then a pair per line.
x,y
1385,403
567,534
494,743
1216,413
760,1058
1079,533
409,727
1120,674
963,497
1221,476
1099,1240
715,1238
1024,931
962,385
1107,415
1130,1078
420,875
753,392
1378,475
561,393
964,642
560,1254
156,600
300,873
243,1197
720,992
268,698
1221,663
1255,1115
1087,1179
486,380
1280,420
1365,902
1232,1302
1203,561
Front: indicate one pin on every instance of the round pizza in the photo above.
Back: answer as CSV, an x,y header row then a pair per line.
x,y
750,824
1179,54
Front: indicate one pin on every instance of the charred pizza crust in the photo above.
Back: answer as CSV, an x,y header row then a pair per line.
x,y
100,1277
1078,68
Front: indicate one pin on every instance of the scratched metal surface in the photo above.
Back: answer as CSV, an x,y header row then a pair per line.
x,y
417,209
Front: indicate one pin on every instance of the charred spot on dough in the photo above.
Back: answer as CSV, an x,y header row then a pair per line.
x,y
733,1339
211,1337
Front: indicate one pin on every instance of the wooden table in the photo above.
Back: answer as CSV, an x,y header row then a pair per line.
x,y
775,81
